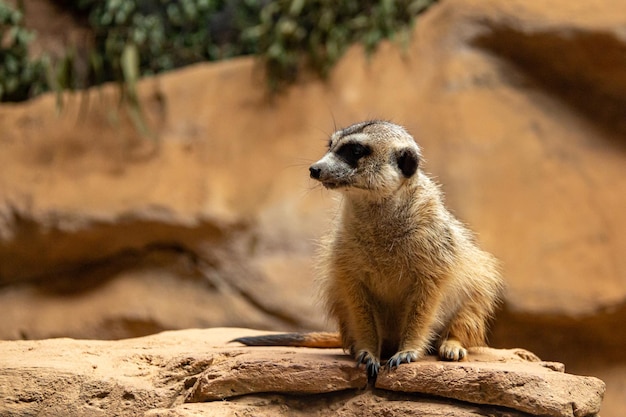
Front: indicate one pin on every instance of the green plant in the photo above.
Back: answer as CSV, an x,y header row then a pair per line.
x,y
134,38
287,35
20,77
316,33
166,34
145,37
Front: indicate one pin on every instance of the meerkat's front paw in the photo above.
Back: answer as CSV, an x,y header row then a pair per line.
x,y
371,362
405,356
452,350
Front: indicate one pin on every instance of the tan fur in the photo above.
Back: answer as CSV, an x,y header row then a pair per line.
x,y
398,273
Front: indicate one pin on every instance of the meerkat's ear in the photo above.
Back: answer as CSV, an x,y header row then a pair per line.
x,y
408,161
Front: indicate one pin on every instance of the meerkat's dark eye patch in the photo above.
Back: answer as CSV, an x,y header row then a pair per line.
x,y
408,161
351,153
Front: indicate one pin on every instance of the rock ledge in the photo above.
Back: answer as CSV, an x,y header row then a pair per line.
x,y
182,373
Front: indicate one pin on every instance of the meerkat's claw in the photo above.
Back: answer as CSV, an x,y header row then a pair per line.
x,y
406,356
372,364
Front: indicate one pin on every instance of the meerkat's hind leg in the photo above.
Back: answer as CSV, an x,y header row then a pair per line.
x,y
451,349
467,328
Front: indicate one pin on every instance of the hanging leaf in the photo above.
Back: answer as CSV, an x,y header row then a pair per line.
x,y
130,66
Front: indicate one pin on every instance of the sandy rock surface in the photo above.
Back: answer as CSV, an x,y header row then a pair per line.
x,y
161,375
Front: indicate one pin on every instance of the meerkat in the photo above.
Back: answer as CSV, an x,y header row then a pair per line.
x,y
399,274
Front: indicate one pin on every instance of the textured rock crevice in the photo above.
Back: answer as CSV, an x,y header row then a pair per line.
x,y
67,243
79,256
588,75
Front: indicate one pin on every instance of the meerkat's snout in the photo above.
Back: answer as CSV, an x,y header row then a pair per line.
x,y
315,171
332,171
330,178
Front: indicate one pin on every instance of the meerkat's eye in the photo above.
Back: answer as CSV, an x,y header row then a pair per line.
x,y
352,152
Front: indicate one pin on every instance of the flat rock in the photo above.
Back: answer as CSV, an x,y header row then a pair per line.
x,y
494,377
166,372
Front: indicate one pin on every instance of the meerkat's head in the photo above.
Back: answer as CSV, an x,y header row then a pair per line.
x,y
373,156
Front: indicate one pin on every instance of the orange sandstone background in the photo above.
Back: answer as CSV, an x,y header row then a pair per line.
x,y
520,108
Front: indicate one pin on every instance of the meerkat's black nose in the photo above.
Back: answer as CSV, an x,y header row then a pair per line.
x,y
315,172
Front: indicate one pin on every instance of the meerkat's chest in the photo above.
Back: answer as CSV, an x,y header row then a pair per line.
x,y
385,267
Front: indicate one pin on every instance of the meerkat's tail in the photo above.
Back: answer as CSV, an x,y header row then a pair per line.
x,y
312,340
